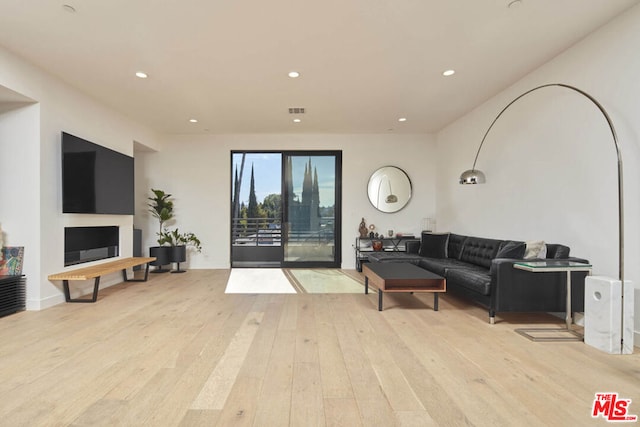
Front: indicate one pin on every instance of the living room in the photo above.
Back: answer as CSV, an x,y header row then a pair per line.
x,y
180,163
550,161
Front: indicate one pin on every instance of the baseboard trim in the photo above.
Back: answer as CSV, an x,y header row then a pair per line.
x,y
36,305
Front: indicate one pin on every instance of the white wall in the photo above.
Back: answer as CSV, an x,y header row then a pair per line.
x,y
41,228
550,159
196,170
19,183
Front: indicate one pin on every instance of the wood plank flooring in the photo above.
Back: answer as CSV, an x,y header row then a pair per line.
x,y
177,351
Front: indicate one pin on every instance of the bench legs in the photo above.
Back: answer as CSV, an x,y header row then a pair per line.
x,y
146,275
67,294
96,285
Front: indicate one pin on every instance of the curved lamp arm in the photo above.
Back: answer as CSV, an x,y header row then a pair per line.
x,y
474,176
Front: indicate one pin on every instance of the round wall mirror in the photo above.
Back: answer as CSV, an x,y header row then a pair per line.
x,y
389,189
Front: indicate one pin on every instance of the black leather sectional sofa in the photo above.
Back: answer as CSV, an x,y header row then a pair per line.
x,y
482,269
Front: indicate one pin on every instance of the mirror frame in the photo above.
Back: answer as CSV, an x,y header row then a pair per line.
x,y
396,178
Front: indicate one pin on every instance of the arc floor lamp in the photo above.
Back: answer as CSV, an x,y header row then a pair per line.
x,y
475,176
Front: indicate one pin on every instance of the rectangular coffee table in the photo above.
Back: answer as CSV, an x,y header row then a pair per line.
x,y
402,277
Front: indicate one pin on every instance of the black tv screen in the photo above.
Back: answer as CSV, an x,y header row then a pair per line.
x,y
95,179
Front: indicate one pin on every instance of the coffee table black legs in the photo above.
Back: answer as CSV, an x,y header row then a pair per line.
x,y
381,293
366,285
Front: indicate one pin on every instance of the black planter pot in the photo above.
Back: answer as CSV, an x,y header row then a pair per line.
x,y
178,255
163,257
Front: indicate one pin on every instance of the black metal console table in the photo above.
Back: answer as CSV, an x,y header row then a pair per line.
x,y
364,246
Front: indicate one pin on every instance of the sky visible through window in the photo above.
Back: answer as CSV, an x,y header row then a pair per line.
x,y
267,169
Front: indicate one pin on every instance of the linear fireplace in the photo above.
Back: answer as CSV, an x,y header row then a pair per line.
x,y
85,244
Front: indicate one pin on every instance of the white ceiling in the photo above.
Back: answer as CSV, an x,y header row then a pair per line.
x,y
363,63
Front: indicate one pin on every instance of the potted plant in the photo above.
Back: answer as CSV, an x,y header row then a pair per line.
x,y
161,207
178,243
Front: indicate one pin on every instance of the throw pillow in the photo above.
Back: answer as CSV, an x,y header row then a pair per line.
x,y
543,252
513,250
534,247
434,245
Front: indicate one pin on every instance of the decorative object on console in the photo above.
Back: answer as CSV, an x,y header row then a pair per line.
x,y
363,228
474,176
377,245
428,224
389,189
11,261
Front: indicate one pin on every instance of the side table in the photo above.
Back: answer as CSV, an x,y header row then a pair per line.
x,y
550,267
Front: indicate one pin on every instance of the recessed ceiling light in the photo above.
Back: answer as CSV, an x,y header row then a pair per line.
x,y
296,120
448,73
193,120
514,4
294,74
141,75
69,8
402,119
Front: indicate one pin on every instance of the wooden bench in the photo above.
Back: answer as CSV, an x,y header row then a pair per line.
x,y
95,271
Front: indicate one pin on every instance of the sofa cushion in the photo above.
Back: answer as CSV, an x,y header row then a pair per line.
x,y
476,280
480,251
393,257
442,265
512,249
434,245
412,246
556,251
454,247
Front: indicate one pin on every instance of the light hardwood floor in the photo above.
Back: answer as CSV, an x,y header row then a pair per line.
x,y
177,351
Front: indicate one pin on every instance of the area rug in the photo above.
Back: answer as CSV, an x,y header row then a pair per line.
x,y
324,281
258,281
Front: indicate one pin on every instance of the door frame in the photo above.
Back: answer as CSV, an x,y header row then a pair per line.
x,y
280,263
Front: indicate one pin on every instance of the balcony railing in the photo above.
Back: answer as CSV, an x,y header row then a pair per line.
x,y
268,232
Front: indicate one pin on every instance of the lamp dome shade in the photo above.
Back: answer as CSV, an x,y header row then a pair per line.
x,y
472,176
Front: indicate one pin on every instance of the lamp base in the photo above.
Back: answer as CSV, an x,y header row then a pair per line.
x,y
608,319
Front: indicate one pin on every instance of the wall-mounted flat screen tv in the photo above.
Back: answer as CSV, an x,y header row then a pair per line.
x,y
95,179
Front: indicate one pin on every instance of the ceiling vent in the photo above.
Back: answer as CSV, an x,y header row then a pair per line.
x,y
296,110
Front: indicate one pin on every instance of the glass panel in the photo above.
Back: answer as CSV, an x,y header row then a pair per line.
x,y
256,209
310,192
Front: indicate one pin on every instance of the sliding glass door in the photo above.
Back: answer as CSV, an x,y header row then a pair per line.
x,y
285,209
312,195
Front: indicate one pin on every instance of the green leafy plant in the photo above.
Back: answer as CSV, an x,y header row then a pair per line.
x,y
175,238
161,207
